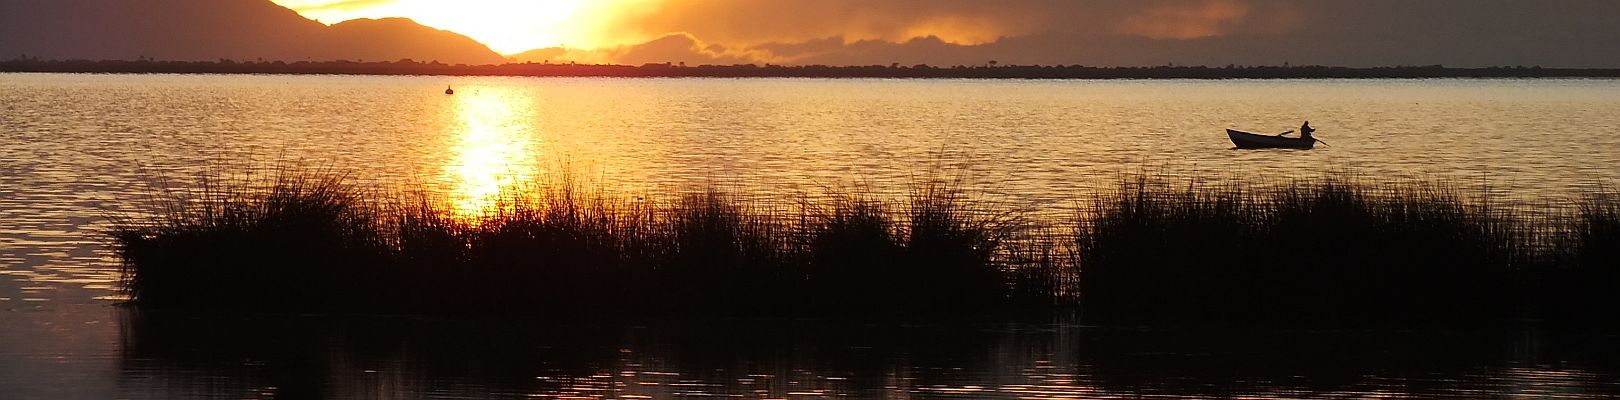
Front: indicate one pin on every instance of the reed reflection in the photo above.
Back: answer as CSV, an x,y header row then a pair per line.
x,y
495,128
209,355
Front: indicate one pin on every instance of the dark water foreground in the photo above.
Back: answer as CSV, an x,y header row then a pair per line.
x,y
95,351
182,354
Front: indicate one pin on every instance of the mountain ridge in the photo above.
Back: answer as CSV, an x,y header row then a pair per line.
x,y
206,30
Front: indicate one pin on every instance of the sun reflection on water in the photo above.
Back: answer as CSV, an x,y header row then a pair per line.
x,y
494,129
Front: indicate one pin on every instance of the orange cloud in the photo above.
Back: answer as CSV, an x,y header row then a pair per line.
x,y
678,48
755,22
683,48
963,30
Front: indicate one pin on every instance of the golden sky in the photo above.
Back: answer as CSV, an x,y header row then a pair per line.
x,y
506,26
729,30
513,26
1475,33
954,32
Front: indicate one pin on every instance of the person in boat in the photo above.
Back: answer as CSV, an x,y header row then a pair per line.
x,y
1305,130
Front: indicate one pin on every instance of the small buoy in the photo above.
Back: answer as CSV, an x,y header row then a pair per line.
x,y
448,90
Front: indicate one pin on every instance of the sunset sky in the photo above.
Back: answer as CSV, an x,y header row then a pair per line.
x,y
1562,33
506,26
513,26
1340,32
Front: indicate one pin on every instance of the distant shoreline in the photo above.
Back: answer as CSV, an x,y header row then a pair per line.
x,y
408,67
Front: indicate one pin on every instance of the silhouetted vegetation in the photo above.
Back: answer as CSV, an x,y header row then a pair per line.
x,y
1333,250
1328,250
1339,251
303,241
985,71
309,241
1583,267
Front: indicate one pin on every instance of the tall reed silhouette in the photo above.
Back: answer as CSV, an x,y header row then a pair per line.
x,y
312,241
1333,250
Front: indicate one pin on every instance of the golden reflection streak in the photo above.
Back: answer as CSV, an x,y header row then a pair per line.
x,y
494,128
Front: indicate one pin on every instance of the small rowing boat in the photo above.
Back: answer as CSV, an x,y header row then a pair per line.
x,y
1245,140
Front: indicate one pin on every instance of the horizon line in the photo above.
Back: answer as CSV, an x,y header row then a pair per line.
x,y
991,64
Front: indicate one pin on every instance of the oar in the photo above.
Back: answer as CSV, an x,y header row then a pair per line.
x,y
1322,142
1285,133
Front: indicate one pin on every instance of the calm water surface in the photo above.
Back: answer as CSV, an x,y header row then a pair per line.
x,y
75,148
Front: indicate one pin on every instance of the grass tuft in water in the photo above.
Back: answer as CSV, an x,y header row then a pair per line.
x,y
294,241
1333,249
1577,282
312,241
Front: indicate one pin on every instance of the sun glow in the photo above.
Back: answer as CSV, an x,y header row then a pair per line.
x,y
506,26
491,147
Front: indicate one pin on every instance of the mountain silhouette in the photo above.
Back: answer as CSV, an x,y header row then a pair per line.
x,y
396,38
547,54
216,29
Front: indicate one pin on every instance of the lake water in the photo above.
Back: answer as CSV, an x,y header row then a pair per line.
x,y
76,148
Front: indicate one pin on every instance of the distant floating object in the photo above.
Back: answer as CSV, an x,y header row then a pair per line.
x,y
1245,140
448,90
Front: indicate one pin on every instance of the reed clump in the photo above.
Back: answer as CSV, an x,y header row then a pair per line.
x,y
941,250
1577,283
310,241
1332,249
300,240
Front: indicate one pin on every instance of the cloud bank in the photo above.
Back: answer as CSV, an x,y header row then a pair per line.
x,y
1357,33
1566,33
